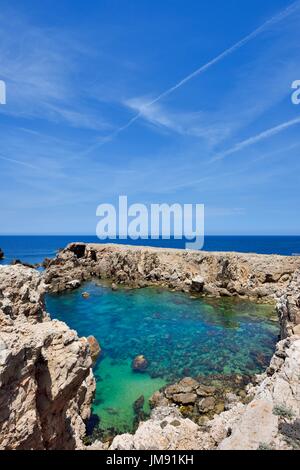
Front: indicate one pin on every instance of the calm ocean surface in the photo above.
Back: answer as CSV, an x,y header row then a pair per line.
x,y
33,249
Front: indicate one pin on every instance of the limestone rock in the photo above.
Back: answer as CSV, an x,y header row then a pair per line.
x,y
74,284
46,382
257,425
139,363
197,283
184,386
265,277
95,348
206,404
185,398
165,430
205,390
296,330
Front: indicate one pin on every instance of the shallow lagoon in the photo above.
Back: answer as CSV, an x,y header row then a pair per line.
x,y
179,335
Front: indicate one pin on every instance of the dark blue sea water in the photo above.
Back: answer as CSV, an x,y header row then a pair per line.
x,y
33,249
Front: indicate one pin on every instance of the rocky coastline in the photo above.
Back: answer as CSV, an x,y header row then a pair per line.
x,y
46,376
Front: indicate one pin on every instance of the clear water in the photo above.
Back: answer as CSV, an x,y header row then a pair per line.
x,y
178,334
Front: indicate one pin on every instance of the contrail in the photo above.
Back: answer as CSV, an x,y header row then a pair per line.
x,y
272,21
18,162
257,138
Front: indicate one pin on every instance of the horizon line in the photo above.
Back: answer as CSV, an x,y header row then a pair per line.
x,y
141,239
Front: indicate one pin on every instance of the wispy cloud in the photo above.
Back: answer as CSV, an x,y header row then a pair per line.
x,y
195,124
257,138
42,70
145,110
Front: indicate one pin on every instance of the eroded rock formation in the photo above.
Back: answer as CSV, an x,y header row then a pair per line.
x,y
46,381
255,276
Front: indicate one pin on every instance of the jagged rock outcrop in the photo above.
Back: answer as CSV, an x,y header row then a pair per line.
x,y
46,381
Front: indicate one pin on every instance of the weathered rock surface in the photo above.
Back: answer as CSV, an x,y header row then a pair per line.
x,y
46,382
165,430
95,348
139,363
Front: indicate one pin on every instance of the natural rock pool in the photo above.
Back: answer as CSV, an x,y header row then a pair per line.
x,y
180,335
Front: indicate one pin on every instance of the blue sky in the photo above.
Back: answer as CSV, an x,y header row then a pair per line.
x,y
102,100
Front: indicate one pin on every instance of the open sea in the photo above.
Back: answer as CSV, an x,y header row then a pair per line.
x,y
33,249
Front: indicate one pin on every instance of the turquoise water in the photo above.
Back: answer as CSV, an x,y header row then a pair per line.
x,y
178,334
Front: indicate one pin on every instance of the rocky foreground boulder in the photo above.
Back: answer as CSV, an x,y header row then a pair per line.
x,y
46,380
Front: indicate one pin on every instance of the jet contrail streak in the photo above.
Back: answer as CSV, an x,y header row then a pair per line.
x,y
18,162
272,21
257,138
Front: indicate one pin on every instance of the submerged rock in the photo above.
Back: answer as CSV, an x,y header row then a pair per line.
x,y
85,295
138,409
139,363
138,404
206,404
186,385
1,254
205,390
184,398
